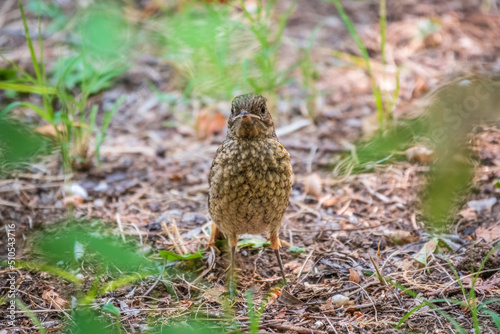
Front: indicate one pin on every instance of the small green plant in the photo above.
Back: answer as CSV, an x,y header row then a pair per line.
x,y
66,91
384,105
268,75
19,144
469,303
218,56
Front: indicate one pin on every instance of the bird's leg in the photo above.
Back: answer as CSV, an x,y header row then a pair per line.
x,y
233,240
215,234
275,244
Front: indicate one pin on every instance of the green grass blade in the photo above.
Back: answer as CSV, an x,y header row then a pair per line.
x,y
36,89
408,314
366,57
34,60
383,28
32,316
494,316
8,108
48,269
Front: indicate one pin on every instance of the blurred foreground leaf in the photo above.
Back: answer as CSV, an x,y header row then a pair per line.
x,y
453,111
171,256
60,246
86,321
296,249
112,309
19,144
254,242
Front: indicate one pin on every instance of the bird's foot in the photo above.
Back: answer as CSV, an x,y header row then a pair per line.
x,y
211,245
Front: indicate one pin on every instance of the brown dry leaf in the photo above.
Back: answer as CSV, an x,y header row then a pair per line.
x,y
353,276
316,287
75,200
490,234
420,87
209,122
312,185
358,315
213,295
49,130
401,237
52,297
289,299
330,201
464,306
420,154
469,214
482,286
296,264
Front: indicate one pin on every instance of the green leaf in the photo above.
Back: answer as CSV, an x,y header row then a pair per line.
x,y
494,316
496,183
254,242
112,309
427,249
171,256
60,246
296,249
87,321
38,89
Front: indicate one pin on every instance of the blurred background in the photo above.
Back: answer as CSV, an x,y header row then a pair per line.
x,y
111,113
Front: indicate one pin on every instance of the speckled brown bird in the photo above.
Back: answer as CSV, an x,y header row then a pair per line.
x,y
250,179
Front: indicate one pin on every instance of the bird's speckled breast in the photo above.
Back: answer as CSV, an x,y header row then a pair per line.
x,y
250,183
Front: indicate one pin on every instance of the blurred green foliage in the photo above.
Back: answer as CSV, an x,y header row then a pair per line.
x,y
76,243
452,112
19,144
219,55
98,55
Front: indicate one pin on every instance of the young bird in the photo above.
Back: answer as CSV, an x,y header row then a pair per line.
x,y
250,179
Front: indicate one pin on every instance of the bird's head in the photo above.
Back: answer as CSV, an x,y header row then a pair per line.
x,y
250,118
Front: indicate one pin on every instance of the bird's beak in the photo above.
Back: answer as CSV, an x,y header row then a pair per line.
x,y
246,114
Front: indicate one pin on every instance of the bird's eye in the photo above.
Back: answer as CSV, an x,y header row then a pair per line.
x,y
263,110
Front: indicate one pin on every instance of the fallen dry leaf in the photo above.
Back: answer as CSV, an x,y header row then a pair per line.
x,y
330,201
209,121
353,276
428,248
49,130
482,286
213,295
489,234
75,200
420,154
401,237
52,297
312,185
296,264
469,214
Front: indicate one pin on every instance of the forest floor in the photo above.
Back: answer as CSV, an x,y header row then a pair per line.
x,y
350,227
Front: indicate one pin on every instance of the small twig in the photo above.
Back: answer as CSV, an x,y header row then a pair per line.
x,y
120,226
300,330
379,275
173,226
138,195
166,230
305,262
